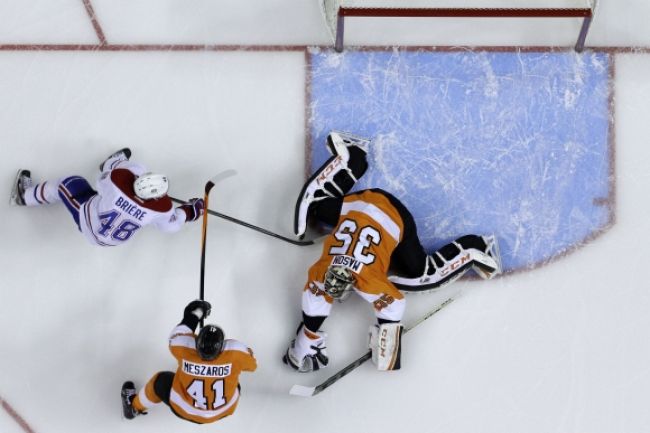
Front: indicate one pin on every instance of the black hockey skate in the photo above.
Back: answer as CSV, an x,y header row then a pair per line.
x,y
128,394
120,155
22,182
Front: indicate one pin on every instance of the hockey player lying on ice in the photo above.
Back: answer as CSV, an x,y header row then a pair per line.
x,y
127,199
374,251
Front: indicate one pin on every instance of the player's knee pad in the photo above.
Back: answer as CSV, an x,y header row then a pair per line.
x,y
75,189
335,178
385,342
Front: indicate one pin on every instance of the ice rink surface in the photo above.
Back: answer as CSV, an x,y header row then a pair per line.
x,y
562,347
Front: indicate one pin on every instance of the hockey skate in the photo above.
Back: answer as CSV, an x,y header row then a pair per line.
x,y
128,394
22,182
487,265
119,156
337,140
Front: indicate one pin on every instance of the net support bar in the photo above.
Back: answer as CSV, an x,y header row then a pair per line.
x,y
585,13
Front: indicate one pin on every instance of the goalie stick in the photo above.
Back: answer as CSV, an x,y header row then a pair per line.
x,y
310,391
250,226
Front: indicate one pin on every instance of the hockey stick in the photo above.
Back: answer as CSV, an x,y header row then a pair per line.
x,y
309,391
249,225
204,231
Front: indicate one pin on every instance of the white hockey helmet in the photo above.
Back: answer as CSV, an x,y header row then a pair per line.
x,y
338,281
151,186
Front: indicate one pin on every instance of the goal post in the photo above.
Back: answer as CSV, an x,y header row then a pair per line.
x,y
336,11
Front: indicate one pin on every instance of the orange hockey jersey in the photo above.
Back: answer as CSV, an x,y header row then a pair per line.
x,y
368,231
205,391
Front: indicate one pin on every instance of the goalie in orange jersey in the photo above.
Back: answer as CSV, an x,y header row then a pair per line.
x,y
373,250
205,387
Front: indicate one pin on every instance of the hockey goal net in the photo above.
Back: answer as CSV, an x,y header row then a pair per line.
x,y
464,16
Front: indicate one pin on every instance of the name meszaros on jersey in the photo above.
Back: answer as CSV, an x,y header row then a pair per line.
x,y
205,391
204,370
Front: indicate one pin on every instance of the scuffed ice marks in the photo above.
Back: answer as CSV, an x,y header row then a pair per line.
x,y
507,143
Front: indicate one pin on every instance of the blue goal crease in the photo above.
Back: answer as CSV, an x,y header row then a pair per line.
x,y
514,144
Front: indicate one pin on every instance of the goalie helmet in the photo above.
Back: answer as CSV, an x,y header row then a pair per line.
x,y
151,186
209,342
338,280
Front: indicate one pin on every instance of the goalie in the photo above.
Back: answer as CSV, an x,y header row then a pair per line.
x,y
373,250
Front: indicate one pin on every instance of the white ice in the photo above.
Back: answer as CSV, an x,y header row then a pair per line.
x,y
564,348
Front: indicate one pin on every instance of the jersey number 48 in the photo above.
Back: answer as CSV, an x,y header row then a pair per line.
x,y
120,232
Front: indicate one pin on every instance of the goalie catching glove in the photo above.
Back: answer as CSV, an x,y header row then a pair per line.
x,y
335,178
307,352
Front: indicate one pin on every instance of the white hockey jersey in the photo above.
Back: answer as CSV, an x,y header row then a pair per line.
x,y
115,214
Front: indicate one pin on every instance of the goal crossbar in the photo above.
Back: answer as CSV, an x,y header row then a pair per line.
x,y
585,13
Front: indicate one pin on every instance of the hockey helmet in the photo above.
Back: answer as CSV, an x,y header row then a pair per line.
x,y
151,186
338,280
209,342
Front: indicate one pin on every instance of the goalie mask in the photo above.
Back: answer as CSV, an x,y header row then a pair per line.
x,y
338,281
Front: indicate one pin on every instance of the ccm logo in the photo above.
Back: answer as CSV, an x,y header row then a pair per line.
x,y
332,166
455,265
383,339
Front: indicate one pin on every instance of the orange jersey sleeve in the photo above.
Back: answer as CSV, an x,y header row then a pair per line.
x,y
205,391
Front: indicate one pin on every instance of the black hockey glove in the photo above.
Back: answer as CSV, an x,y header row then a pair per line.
x,y
195,311
198,308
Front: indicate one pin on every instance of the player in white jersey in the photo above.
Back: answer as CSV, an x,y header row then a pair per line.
x,y
127,198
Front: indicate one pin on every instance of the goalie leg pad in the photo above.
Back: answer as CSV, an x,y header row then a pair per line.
x,y
438,272
385,342
333,179
452,261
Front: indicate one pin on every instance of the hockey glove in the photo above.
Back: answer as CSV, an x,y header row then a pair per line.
x,y
193,209
307,352
198,308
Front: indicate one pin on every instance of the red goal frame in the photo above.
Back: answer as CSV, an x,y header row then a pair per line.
x,y
585,13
